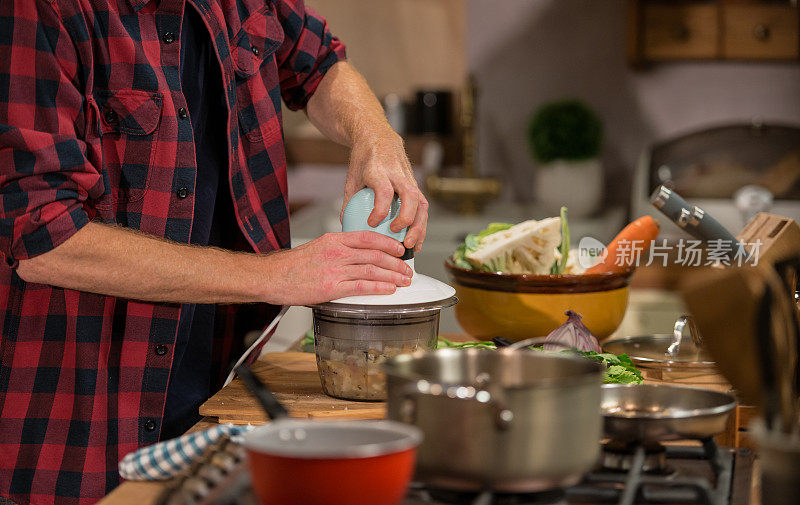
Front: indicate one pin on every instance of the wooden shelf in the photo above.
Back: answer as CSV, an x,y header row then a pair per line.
x,y
751,30
323,151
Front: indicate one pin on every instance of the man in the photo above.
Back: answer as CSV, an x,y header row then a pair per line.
x,y
140,152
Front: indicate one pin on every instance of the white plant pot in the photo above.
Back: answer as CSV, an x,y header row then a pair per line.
x,y
578,185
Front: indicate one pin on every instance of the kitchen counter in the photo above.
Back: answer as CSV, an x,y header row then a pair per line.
x,y
302,402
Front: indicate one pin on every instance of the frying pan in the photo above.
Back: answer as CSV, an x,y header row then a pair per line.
x,y
305,462
653,413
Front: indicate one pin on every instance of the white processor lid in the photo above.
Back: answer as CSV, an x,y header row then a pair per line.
x,y
422,290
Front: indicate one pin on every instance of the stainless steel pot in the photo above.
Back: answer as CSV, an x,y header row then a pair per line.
x,y
506,421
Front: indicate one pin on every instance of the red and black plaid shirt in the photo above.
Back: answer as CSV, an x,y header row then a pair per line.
x,y
93,126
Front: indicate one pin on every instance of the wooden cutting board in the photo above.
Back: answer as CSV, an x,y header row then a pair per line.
x,y
293,377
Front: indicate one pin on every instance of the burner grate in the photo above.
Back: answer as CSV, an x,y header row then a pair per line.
x,y
637,486
619,456
419,494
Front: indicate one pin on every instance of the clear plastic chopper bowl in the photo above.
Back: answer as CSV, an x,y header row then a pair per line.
x,y
352,341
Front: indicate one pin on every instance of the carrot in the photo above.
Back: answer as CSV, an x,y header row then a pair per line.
x,y
634,240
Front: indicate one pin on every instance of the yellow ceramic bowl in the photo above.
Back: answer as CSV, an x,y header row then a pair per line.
x,y
524,306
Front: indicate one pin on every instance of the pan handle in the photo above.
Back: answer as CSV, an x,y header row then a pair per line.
x,y
503,416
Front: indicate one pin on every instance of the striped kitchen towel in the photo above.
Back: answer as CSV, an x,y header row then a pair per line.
x,y
166,459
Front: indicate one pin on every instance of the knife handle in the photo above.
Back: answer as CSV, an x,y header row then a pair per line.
x,y
707,227
672,205
694,220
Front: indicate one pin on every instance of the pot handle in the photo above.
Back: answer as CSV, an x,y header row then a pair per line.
x,y
408,407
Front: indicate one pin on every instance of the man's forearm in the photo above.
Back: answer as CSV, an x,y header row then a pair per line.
x,y
124,263
128,264
345,109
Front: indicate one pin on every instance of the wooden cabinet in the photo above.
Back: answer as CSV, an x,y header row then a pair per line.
x,y
753,31
679,31
663,30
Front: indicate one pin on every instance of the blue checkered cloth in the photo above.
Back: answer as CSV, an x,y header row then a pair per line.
x,y
167,459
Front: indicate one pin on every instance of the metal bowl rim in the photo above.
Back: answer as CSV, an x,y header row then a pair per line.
x,y
684,414
387,311
575,380
409,437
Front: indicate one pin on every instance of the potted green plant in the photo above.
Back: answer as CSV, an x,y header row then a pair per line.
x,y
565,139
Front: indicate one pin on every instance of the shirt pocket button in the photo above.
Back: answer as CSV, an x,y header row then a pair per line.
x,y
183,193
161,349
111,116
149,425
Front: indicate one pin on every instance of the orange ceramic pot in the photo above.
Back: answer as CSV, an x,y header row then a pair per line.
x,y
524,306
304,462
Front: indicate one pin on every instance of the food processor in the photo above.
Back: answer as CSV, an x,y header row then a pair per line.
x,y
354,335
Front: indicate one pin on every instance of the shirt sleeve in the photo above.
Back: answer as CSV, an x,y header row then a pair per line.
x,y
45,176
309,49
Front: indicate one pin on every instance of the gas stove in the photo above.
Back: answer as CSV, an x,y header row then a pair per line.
x,y
627,474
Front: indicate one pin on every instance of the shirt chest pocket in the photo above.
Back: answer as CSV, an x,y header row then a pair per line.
x,y
128,123
257,83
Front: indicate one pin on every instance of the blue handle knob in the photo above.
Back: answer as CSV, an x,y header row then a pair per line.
x,y
360,207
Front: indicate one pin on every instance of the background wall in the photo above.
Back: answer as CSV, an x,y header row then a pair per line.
x,y
525,52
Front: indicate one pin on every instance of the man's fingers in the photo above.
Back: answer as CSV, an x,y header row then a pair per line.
x,y
417,231
362,287
409,202
372,240
380,259
383,200
370,272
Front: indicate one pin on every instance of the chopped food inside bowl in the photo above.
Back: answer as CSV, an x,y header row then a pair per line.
x,y
352,369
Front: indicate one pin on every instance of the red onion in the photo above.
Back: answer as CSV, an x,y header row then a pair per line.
x,y
573,334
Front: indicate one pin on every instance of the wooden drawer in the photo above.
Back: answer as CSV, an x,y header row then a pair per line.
x,y
760,32
681,31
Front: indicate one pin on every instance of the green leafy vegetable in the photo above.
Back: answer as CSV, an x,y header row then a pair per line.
x,y
307,344
444,343
618,374
472,242
559,266
458,258
620,369
494,228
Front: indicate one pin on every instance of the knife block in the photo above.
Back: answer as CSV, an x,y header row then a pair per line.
x,y
779,236
725,303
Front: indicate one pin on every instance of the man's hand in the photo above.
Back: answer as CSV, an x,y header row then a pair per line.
x,y
381,163
120,262
337,265
346,111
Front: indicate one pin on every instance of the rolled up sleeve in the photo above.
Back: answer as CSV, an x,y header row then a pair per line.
x,y
46,179
309,49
